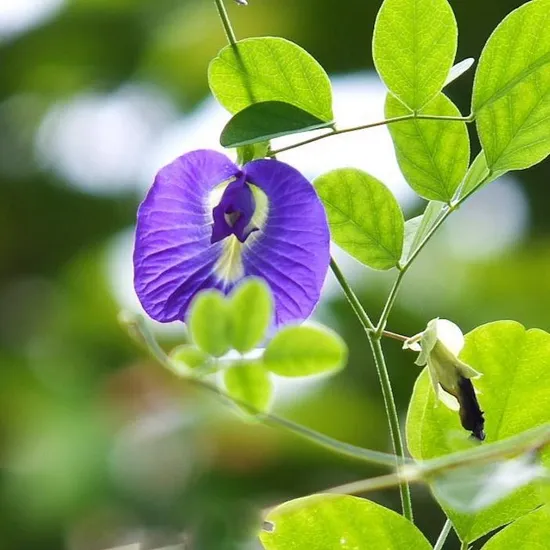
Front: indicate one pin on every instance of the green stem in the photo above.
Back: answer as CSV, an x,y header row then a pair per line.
x,y
370,125
443,535
138,330
364,319
465,545
222,12
393,419
383,377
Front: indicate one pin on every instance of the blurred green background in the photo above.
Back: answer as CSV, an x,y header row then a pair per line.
x,y
99,447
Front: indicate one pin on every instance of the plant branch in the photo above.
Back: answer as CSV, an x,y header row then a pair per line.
x,y
222,12
383,377
443,535
138,330
370,125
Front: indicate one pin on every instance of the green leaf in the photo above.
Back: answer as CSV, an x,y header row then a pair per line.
x,y
270,69
323,522
251,308
511,97
478,175
187,356
529,532
473,488
432,154
248,153
364,217
414,48
514,396
209,323
416,229
268,120
249,383
301,351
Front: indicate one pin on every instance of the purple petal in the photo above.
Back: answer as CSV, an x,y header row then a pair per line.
x,y
292,250
173,256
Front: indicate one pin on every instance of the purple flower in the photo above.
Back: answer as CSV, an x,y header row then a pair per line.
x,y
205,223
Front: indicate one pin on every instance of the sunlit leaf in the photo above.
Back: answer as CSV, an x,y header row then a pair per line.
x,y
511,98
251,308
248,153
323,522
301,351
473,488
209,323
514,395
364,217
414,48
268,120
270,69
432,154
188,357
530,532
478,175
249,383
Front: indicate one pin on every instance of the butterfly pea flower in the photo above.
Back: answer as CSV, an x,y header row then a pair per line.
x,y
439,346
207,224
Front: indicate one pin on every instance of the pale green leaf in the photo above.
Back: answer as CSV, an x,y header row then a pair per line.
x,y
414,47
478,176
364,217
270,69
531,532
305,350
187,356
251,308
511,98
209,323
476,487
432,154
249,383
248,153
417,229
268,120
339,522
514,396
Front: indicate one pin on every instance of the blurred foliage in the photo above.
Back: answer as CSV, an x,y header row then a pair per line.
x,y
98,446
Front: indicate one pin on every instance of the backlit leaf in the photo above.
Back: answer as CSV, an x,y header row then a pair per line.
x,y
339,522
414,47
432,154
364,217
270,69
514,395
249,383
511,98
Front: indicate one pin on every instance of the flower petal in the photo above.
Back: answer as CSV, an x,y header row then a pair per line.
x,y
291,251
450,335
173,257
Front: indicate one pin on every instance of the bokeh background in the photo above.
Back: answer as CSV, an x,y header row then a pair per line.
x,y
99,447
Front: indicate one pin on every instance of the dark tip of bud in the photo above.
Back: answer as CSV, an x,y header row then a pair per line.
x,y
471,415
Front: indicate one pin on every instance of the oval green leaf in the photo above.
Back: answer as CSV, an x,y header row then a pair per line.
x,y
187,356
478,176
514,363
322,522
531,531
251,308
301,351
209,323
432,154
364,216
249,384
270,69
414,47
268,120
511,97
